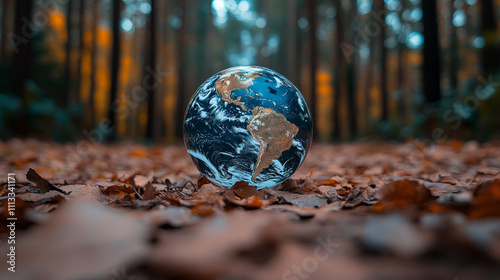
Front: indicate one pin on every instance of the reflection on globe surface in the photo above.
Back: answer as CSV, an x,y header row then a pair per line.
x,y
247,124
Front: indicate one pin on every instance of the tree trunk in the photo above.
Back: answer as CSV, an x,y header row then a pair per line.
x,y
339,63
181,82
93,62
67,66
313,66
202,38
453,57
151,64
351,87
299,43
290,39
489,57
115,63
369,81
401,110
351,100
383,62
5,14
208,58
401,107
21,66
431,70
81,27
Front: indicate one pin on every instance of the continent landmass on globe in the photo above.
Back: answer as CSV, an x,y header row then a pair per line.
x,y
269,128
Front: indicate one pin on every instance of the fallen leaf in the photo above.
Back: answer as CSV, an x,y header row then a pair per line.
x,y
203,210
402,193
110,188
202,181
41,184
486,202
150,192
304,200
249,203
142,181
244,190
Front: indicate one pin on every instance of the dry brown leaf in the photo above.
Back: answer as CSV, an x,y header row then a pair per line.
x,y
244,190
486,203
402,193
110,188
150,192
203,210
202,181
41,184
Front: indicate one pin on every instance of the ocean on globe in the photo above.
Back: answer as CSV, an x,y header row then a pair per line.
x,y
248,124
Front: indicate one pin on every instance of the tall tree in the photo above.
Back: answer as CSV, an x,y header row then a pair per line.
x,y
351,84
339,69
93,62
21,66
380,7
81,30
5,14
431,70
115,64
453,57
67,65
313,66
202,37
370,67
181,71
489,57
401,106
290,39
210,38
151,64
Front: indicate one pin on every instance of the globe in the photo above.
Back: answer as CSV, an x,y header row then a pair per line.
x,y
249,124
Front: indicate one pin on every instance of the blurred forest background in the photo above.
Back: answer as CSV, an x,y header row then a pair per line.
x,y
126,69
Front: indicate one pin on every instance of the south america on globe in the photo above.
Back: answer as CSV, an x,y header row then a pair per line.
x,y
250,124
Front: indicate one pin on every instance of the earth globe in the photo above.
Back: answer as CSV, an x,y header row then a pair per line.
x,y
249,124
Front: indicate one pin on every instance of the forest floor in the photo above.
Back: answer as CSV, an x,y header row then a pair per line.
x,y
352,211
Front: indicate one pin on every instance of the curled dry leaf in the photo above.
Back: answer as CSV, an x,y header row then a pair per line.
x,y
41,184
402,193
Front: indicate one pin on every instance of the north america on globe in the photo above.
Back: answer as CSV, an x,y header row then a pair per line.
x,y
248,124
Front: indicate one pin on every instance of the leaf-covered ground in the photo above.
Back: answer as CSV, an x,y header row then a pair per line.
x,y
352,211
